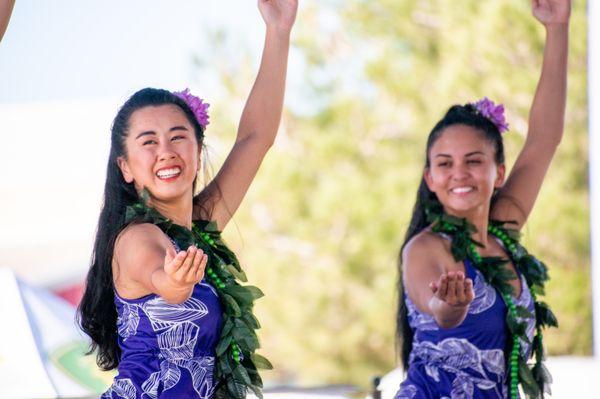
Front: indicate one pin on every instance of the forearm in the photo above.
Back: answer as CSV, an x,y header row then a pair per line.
x,y
546,119
447,316
262,113
168,290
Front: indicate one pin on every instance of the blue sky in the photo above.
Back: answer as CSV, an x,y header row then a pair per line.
x,y
69,49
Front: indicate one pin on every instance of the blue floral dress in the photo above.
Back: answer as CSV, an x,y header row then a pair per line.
x,y
168,350
466,361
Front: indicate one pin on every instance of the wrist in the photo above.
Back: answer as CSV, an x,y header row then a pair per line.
x,y
281,33
557,28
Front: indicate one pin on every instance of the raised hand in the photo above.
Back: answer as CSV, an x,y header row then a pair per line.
x,y
453,288
278,14
185,268
550,12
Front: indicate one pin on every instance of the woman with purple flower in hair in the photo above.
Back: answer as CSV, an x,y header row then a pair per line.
x,y
470,317
164,303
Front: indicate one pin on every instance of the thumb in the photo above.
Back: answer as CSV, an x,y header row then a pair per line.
x,y
433,286
170,255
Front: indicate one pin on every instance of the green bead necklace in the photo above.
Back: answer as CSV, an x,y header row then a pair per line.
x,y
508,300
236,360
534,378
218,284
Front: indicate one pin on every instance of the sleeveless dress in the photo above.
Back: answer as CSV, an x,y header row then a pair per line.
x,y
167,350
466,361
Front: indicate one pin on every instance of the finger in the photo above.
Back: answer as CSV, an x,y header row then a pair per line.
x,y
469,292
451,297
191,274
460,287
443,286
175,263
434,287
201,268
187,263
170,254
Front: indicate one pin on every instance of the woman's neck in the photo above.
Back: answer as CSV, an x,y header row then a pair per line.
x,y
179,211
478,217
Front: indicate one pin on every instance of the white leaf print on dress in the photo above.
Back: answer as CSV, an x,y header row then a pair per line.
x,y
470,365
128,320
485,295
201,370
150,386
169,374
406,392
179,341
163,315
123,388
418,320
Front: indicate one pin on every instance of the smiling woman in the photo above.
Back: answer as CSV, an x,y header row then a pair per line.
x,y
468,317
163,303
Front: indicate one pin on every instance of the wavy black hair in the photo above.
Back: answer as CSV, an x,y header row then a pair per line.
x,y
97,314
457,115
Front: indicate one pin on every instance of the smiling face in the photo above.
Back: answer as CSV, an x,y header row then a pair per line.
x,y
462,170
162,153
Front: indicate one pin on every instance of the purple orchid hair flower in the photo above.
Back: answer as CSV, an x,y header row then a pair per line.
x,y
197,105
493,112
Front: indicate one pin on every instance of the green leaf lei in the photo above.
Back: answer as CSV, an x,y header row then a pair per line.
x,y
534,378
236,363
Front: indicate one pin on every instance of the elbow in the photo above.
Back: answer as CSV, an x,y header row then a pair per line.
x,y
447,323
177,299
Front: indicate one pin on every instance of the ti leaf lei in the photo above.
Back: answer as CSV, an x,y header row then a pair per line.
x,y
236,363
534,378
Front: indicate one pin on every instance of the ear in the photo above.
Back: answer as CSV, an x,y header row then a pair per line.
x,y
428,179
500,175
124,166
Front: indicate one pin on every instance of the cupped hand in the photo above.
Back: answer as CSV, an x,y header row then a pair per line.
x,y
186,267
453,288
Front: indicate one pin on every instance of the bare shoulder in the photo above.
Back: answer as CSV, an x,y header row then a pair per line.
x,y
139,250
426,247
139,242
142,233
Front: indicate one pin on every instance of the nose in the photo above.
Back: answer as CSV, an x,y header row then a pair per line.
x,y
165,151
460,171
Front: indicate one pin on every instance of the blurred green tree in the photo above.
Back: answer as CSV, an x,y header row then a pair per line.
x,y
322,224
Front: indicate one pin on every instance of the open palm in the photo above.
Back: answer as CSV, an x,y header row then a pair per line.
x,y
551,11
280,14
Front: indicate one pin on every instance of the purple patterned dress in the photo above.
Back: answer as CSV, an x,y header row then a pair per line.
x,y
168,351
466,361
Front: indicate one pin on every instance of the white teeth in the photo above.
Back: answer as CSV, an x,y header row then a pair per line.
x,y
462,190
167,173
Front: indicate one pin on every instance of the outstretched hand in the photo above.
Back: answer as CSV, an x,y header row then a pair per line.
x,y
453,288
185,268
551,12
279,14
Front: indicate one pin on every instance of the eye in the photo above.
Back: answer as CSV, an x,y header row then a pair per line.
x,y
443,164
148,142
474,161
179,137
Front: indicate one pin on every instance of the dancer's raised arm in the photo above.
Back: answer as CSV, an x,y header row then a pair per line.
x,y
259,122
6,7
546,118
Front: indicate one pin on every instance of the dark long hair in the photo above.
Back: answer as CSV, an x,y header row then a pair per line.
x,y
456,115
97,315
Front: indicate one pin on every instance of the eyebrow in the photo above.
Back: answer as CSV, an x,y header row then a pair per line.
x,y
466,155
152,132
